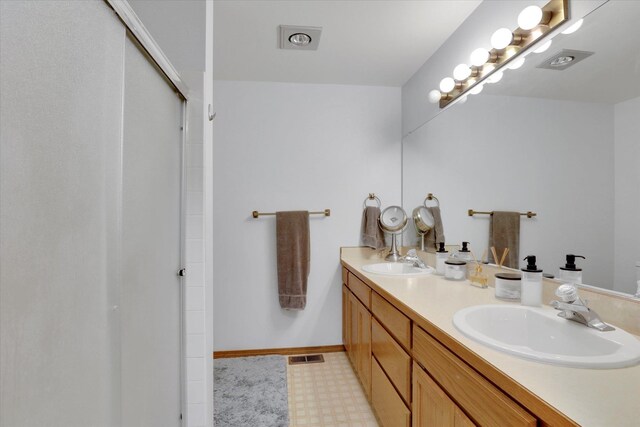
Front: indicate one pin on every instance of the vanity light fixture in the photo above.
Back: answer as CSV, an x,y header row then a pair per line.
x,y
508,51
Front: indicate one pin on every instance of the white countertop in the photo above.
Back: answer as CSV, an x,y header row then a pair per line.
x,y
590,397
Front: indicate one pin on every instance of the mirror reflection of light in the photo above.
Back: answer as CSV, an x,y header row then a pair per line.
x,y
495,77
573,28
476,89
543,47
516,63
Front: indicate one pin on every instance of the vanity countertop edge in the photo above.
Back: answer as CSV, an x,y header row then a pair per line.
x,y
589,397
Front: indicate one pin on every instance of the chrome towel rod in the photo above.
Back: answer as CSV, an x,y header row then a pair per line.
x,y
256,214
528,214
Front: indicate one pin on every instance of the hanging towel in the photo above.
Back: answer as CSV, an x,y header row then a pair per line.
x,y
292,234
436,234
372,235
504,232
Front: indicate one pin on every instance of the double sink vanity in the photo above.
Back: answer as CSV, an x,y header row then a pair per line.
x,y
434,352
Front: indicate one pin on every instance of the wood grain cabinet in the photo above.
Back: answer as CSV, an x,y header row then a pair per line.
x,y
356,333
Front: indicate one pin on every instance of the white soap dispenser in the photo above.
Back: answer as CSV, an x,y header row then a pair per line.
x,y
531,292
570,273
464,253
441,256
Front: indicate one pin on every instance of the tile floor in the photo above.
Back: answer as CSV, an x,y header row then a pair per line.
x,y
327,395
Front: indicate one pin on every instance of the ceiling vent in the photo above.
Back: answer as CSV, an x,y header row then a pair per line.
x,y
564,59
298,38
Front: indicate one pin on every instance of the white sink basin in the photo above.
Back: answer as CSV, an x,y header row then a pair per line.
x,y
539,334
396,269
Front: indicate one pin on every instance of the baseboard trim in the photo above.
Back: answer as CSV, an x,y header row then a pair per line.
x,y
282,351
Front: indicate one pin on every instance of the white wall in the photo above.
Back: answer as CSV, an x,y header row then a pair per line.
x,y
627,194
280,146
551,157
179,29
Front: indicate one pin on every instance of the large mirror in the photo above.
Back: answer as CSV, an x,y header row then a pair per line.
x,y
561,141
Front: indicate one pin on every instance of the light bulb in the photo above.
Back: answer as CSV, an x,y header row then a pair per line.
x,y
573,28
435,96
543,47
530,17
495,77
461,72
501,38
447,84
479,57
516,63
476,89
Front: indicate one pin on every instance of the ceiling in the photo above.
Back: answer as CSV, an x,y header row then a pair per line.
x,y
610,75
378,43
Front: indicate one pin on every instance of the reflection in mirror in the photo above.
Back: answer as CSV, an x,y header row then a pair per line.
x,y
561,141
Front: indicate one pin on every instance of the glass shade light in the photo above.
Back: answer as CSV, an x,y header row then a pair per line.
x,y
434,96
501,38
495,77
461,72
573,28
543,47
476,89
530,17
516,63
447,84
479,57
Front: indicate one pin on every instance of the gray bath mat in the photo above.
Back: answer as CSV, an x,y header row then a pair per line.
x,y
250,392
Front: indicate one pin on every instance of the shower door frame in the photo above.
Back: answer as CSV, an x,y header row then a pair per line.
x,y
134,25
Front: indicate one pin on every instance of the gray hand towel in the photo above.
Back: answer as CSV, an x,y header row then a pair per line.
x,y
292,233
372,235
504,232
436,234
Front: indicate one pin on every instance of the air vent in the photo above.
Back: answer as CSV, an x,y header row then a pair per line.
x,y
298,38
564,59
312,358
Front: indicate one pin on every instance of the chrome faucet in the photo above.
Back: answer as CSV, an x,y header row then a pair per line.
x,y
412,258
572,307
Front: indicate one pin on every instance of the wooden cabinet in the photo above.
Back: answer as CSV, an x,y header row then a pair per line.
x,y
485,403
431,405
356,327
389,407
392,359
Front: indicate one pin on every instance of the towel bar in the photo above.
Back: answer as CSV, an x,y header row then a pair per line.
x,y
528,214
256,214
430,196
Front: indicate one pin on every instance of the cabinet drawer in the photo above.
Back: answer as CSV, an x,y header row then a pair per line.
x,y
345,275
360,289
388,405
393,359
484,402
397,323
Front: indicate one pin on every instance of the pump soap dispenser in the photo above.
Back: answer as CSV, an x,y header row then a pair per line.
x,y
441,256
531,292
464,253
570,273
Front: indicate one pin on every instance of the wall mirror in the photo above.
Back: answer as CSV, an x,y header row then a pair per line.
x,y
559,137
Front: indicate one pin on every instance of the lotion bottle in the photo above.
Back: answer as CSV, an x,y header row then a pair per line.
x,y
464,253
441,256
531,292
570,273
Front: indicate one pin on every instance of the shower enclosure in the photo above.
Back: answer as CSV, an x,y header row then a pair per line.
x,y
91,222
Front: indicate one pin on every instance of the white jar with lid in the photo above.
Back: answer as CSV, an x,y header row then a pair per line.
x,y
455,269
508,286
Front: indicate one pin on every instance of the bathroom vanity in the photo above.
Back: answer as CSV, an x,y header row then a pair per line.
x,y
417,369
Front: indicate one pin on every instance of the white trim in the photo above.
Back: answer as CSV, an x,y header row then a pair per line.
x,y
140,32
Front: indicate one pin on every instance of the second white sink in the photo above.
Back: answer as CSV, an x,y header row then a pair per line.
x,y
539,334
396,269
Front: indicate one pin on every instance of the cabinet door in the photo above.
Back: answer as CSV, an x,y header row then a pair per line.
x,y
345,317
364,348
353,331
431,406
